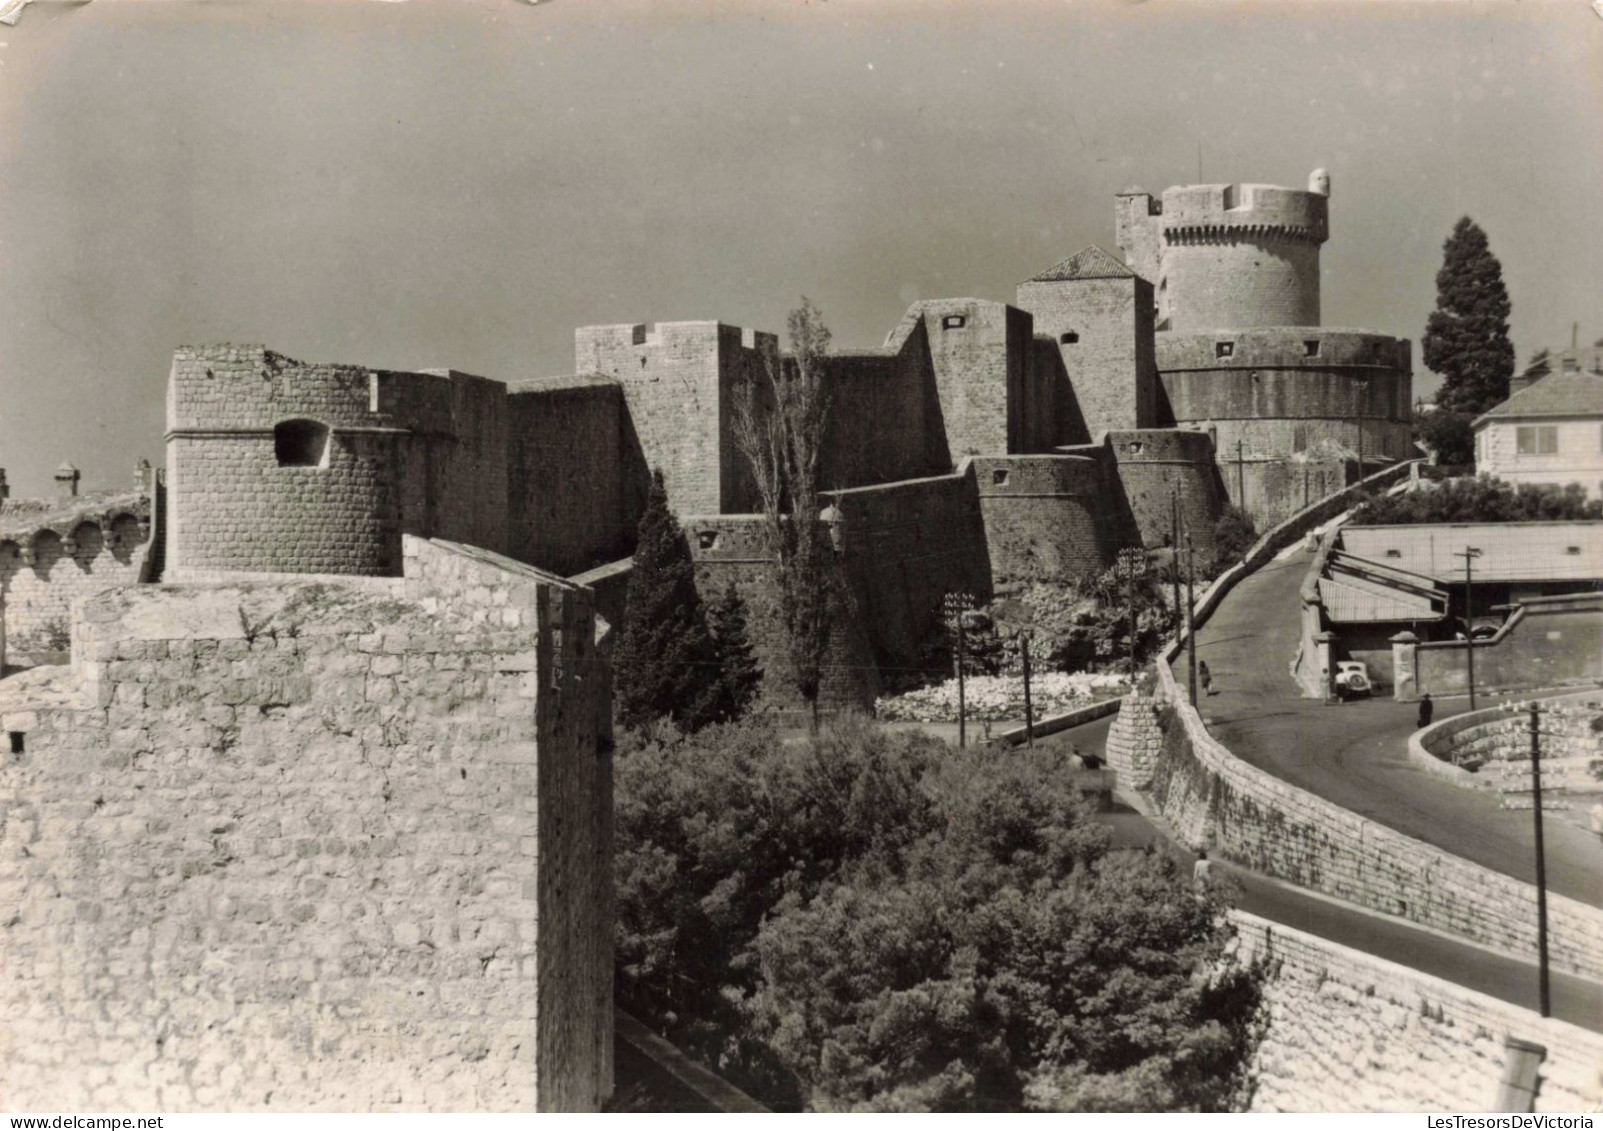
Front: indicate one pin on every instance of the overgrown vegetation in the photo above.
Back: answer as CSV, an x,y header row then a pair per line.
x,y
1482,499
1233,535
1451,435
881,922
673,660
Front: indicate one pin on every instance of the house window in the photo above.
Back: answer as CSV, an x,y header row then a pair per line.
x,y
17,743
1069,337
1536,439
1224,349
301,443
1572,365
953,322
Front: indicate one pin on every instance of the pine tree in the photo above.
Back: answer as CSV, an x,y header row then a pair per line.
x,y
1466,336
666,663
739,674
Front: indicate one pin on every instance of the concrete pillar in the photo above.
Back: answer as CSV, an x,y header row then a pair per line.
x,y
1325,646
1405,667
67,481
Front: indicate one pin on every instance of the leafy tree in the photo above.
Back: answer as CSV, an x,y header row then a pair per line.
x,y
666,662
878,921
1451,435
1466,336
739,675
1482,499
779,428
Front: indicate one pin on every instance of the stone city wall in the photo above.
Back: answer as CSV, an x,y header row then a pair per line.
x,y
51,555
1351,1032
298,846
1501,734
1050,518
978,355
387,453
1153,463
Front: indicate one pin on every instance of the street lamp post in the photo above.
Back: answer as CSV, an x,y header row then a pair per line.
x,y
1541,862
1363,387
1191,613
957,606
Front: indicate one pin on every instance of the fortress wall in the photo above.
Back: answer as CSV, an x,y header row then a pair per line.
x,y
1110,366
422,453
732,550
565,475
1047,518
234,507
885,415
1352,1032
1150,464
49,560
1061,418
907,545
978,353
298,846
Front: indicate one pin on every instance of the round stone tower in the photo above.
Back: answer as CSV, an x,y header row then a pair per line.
x,y
1229,255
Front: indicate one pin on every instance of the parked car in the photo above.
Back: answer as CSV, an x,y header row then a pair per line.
x,y
1352,679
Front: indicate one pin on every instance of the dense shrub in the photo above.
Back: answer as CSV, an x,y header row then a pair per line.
x,y
873,921
1482,499
1233,535
1451,435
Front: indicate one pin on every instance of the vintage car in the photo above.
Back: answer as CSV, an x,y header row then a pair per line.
x,y
1352,679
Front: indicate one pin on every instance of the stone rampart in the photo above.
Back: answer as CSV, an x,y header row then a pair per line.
x,y
565,488
1048,518
293,845
1454,748
59,550
1153,463
1351,1032
274,464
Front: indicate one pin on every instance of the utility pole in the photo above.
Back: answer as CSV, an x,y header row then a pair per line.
x,y
957,606
1174,548
1130,562
1541,861
1469,554
1363,387
1241,477
1029,710
1191,612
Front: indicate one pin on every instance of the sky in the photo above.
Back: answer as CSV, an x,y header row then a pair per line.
x,y
460,183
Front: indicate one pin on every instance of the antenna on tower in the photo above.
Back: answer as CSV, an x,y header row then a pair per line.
x,y
1575,332
1199,162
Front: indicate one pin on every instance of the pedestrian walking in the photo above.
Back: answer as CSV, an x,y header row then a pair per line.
x,y
1205,677
1426,710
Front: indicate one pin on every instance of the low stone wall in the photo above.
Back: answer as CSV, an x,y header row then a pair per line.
x,y
1568,742
1548,642
1351,1032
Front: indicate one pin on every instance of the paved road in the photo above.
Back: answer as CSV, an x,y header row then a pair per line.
x,y
1574,999
1356,754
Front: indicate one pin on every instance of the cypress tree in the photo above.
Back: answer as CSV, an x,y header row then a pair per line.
x,y
665,663
739,674
1466,336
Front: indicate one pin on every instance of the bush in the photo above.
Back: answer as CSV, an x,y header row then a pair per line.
x,y
882,922
1233,535
1482,499
1449,434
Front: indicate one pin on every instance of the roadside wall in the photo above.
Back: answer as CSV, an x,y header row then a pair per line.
x,y
1351,1032
1548,642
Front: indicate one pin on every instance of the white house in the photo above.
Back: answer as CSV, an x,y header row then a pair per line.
x,y
1549,432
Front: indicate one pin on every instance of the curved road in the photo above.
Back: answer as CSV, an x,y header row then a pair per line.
x,y
1356,754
